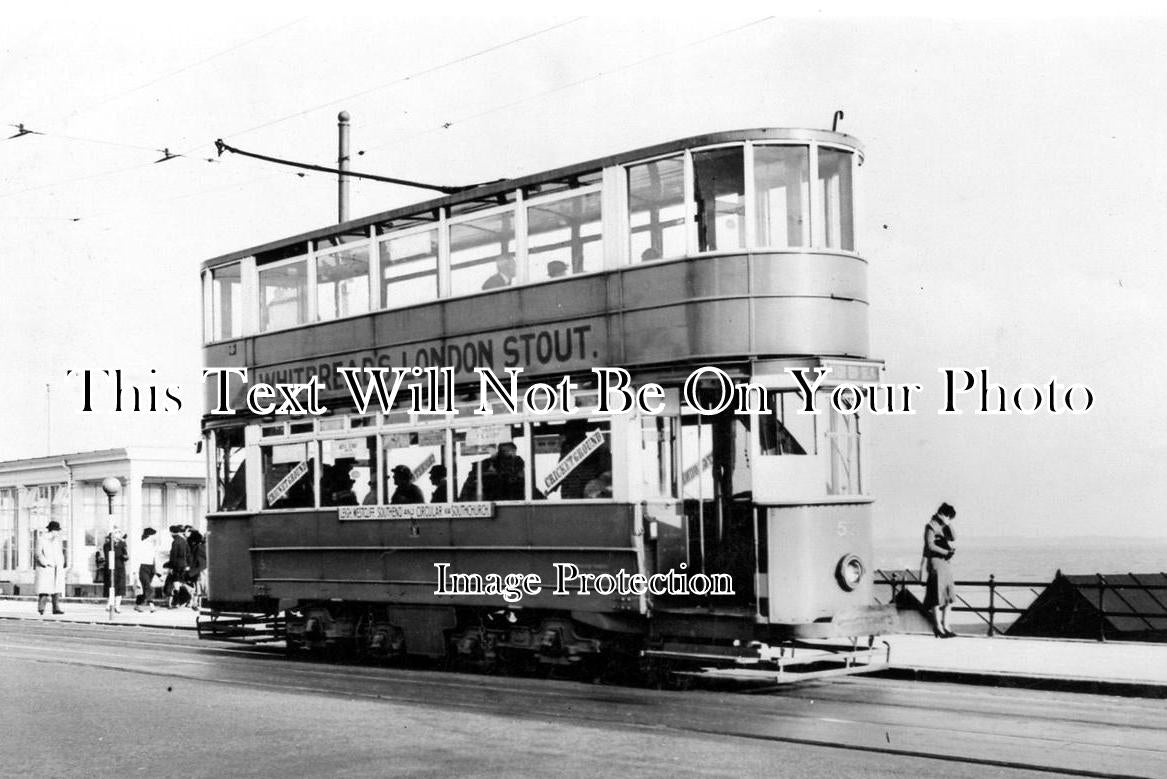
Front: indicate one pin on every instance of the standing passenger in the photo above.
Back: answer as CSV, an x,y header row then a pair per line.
x,y
939,547
50,567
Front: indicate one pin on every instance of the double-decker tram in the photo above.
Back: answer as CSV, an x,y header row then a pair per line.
x,y
718,272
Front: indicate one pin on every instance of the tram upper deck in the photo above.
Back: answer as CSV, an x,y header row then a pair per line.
x,y
721,248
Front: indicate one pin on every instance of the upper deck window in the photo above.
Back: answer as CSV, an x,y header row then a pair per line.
x,y
564,237
482,253
656,209
719,189
226,303
342,283
834,230
782,195
409,268
283,295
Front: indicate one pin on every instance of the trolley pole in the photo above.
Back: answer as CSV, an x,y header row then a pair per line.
x,y
342,159
111,487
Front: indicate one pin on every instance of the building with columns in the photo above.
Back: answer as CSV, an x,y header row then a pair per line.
x,y
159,487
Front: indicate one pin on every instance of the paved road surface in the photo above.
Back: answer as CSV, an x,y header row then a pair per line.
x,y
85,700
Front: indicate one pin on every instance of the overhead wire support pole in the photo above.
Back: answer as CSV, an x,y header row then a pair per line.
x,y
221,147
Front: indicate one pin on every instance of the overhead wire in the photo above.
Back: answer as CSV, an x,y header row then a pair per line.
x,y
411,76
560,88
184,68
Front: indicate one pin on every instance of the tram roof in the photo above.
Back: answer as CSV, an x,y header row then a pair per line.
x,y
490,189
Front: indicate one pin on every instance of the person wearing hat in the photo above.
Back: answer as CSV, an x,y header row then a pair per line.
x,y
177,566
939,547
115,544
50,567
407,491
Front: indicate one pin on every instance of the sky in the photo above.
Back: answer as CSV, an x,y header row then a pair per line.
x,y
1012,202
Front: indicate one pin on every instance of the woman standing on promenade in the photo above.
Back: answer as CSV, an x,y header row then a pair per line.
x,y
939,547
115,544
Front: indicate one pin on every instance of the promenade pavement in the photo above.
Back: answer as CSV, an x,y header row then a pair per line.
x,y
1130,667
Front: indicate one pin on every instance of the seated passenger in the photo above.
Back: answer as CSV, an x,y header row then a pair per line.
x,y
599,487
650,254
504,273
438,479
407,491
556,269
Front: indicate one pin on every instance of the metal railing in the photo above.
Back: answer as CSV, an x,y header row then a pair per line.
x,y
992,599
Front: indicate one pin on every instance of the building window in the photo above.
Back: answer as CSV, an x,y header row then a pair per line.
x,y
8,508
719,190
782,196
154,507
656,209
188,502
226,303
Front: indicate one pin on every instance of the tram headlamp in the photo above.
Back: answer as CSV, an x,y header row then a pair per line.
x,y
849,572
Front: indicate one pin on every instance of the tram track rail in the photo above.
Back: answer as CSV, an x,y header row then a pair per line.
x,y
860,716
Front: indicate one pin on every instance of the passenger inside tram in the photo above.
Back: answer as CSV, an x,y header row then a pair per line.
x,y
406,491
504,273
438,479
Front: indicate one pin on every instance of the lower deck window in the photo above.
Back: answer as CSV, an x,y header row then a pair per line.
x,y
288,481
572,460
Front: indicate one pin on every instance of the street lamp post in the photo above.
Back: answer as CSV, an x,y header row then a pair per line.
x,y
111,487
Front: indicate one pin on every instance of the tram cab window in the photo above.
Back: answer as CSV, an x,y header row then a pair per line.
x,y
230,470
482,253
564,237
842,439
226,303
835,230
782,195
288,480
656,209
409,268
719,190
490,463
409,459
283,295
342,283
572,459
784,431
715,458
348,471
657,451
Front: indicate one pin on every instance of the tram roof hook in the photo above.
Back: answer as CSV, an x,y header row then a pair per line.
x,y
835,123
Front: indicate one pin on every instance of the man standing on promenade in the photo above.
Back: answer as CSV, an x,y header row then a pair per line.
x,y
177,565
50,567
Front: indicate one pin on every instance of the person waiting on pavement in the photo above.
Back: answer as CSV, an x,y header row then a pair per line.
x,y
50,567
142,560
407,491
177,565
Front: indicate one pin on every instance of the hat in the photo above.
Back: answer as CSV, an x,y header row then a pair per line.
x,y
402,469
53,525
176,528
148,532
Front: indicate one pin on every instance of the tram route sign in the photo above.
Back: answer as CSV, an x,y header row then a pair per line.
x,y
286,483
576,456
475,510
